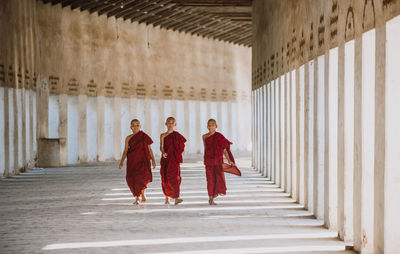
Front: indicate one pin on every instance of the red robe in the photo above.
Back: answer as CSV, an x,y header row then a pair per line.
x,y
215,166
138,169
174,145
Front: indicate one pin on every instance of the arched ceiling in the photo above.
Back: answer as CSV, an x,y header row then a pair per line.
x,y
225,20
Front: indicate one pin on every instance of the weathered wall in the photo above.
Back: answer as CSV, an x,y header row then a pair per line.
x,y
324,111
95,74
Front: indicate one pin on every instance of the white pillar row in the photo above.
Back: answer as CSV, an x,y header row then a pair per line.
x,y
255,129
331,137
199,141
282,131
392,123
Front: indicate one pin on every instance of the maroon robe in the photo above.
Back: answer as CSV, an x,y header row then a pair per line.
x,y
174,145
138,169
215,166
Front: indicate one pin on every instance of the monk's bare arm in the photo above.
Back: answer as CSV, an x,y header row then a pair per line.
x,y
162,145
204,138
227,157
125,152
153,161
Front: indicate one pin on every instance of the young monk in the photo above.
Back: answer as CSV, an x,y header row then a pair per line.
x,y
216,147
172,145
139,153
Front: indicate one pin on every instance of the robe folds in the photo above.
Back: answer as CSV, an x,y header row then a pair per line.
x,y
215,166
174,145
138,169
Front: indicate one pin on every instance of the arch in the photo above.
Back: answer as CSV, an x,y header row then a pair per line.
x,y
368,15
349,29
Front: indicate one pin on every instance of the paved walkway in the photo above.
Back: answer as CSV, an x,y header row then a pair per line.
x,y
89,210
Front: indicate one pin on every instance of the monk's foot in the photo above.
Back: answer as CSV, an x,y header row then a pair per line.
x,y
144,200
211,202
136,202
178,201
166,201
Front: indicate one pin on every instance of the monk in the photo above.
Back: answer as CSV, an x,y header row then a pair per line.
x,y
216,148
139,153
172,145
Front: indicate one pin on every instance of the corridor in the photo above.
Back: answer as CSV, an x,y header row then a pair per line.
x,y
88,209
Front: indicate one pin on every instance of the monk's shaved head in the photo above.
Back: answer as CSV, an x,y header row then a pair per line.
x,y
211,120
135,121
170,119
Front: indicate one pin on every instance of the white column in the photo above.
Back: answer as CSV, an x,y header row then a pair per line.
x,y
294,124
392,123
282,131
269,137
348,141
368,142
278,132
300,131
82,132
273,131
63,129
331,137
305,113
310,133
288,84
100,108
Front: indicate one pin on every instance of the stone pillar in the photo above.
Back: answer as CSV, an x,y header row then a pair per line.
x,y
300,134
368,144
286,135
331,137
186,123
63,128
100,109
278,131
392,122
380,219
357,143
282,121
294,134
146,127
266,139
273,129
82,129
7,165
117,128
43,109
306,119
288,108
348,141
199,140
133,108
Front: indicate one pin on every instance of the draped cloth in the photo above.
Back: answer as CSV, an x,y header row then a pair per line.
x,y
174,145
215,166
138,169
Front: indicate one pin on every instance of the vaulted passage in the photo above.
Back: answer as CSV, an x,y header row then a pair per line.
x,y
306,91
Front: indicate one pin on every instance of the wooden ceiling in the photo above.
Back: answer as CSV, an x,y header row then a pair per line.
x,y
225,20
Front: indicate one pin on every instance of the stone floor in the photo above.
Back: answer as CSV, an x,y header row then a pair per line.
x,y
89,210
